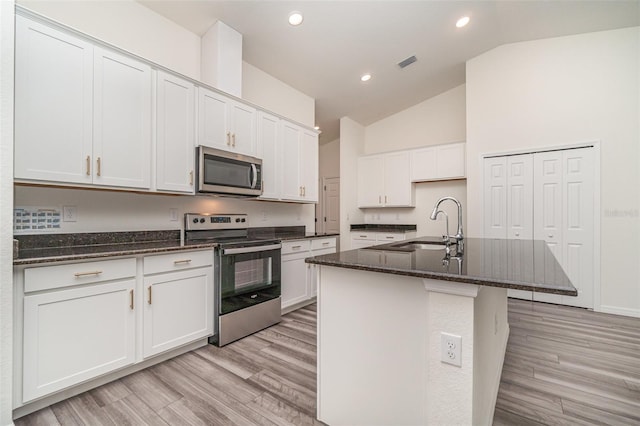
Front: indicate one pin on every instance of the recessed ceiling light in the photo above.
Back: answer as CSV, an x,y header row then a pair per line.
x,y
365,77
462,22
295,18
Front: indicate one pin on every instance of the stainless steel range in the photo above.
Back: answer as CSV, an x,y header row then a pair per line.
x,y
247,275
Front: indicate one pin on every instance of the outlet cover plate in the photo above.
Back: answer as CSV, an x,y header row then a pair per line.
x,y
451,349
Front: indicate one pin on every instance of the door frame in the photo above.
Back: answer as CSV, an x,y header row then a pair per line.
x,y
595,145
323,207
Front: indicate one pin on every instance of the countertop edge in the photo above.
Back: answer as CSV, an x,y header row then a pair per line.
x,y
119,253
446,277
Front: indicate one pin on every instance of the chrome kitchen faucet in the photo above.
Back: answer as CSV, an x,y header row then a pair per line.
x,y
459,237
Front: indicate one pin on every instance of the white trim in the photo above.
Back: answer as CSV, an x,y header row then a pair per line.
x,y
616,310
546,148
450,287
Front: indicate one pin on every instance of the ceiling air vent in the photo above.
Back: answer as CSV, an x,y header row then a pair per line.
x,y
405,63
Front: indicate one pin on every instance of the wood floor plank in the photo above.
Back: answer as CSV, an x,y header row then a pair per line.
x,y
563,366
151,390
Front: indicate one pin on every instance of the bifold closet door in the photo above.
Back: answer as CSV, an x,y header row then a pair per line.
x,y
564,217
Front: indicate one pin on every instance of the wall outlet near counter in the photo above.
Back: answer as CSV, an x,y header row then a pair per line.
x,y
173,215
451,349
69,213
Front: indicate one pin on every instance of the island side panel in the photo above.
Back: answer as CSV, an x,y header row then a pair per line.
x,y
491,332
372,348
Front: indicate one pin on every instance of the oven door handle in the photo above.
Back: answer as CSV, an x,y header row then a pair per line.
x,y
255,249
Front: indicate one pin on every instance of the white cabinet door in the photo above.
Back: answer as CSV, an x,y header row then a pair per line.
x,y
294,278
397,180
385,180
309,166
269,150
175,142
121,121
53,104
225,124
213,130
243,128
178,309
291,186
74,335
450,161
370,181
439,162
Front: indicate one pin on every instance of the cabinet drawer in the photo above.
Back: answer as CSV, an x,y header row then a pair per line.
x,y
384,237
322,243
177,261
363,236
59,276
295,246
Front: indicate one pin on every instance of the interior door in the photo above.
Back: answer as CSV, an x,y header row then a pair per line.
x,y
331,203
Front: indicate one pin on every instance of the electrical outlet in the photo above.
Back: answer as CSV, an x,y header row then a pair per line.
x,y
173,215
69,214
264,216
451,349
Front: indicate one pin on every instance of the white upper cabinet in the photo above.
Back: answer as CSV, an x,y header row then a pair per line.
x,y
175,103
384,181
53,104
269,151
83,113
224,123
122,121
439,162
309,158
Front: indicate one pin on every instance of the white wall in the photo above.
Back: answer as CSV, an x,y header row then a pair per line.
x,y
264,90
100,211
563,91
6,212
351,147
437,120
130,26
329,159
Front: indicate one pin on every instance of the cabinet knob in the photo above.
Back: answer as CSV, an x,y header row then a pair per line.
x,y
517,234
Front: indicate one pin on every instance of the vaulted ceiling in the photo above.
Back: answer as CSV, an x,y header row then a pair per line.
x,y
341,40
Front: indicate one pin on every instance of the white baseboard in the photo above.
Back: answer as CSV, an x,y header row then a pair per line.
x,y
627,312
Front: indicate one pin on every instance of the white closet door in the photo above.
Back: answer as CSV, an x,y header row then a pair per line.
x,y
519,170
564,205
495,197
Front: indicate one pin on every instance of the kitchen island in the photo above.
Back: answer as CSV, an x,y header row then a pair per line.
x,y
410,334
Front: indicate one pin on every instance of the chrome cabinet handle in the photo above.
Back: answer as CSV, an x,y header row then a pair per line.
x,y
181,262
131,299
325,244
99,168
88,165
149,298
84,274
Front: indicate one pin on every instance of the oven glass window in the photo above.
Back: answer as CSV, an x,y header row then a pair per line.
x,y
247,279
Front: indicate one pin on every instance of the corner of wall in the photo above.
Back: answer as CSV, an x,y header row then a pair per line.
x,y
351,147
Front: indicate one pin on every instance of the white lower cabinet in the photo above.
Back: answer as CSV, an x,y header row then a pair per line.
x,y
368,238
75,333
178,305
80,320
298,278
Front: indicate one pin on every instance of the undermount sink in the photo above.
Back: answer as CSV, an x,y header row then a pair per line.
x,y
419,245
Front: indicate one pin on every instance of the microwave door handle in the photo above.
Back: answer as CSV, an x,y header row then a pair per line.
x,y
254,173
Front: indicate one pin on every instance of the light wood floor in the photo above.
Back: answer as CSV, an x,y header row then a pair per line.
x,y
564,366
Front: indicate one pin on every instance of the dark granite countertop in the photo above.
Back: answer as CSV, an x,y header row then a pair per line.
x,y
380,227
47,248
515,264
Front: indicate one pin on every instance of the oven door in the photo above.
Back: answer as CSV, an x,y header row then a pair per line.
x,y
248,276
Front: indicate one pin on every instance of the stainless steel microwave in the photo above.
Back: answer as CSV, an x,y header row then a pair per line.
x,y
225,173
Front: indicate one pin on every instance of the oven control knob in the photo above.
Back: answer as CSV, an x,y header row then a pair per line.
x,y
202,220
243,220
237,219
195,220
